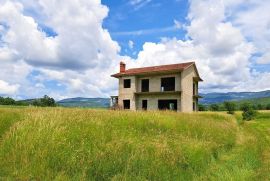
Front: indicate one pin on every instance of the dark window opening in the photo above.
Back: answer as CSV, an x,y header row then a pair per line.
x,y
145,85
194,89
126,104
127,83
168,84
167,104
194,106
144,104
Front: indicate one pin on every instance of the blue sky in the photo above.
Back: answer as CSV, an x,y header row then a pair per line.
x,y
144,22
70,48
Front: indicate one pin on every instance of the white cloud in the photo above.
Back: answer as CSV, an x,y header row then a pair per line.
x,y
255,25
130,44
221,37
177,24
80,44
220,49
78,57
8,89
138,4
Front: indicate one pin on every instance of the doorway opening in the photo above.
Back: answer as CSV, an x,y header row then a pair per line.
x,y
144,104
126,104
168,104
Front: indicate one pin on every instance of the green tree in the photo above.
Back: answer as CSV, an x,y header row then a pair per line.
x,y
202,107
7,101
268,107
36,102
248,112
230,107
46,101
214,107
260,107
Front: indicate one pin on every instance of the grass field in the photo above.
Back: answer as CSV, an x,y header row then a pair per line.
x,y
82,144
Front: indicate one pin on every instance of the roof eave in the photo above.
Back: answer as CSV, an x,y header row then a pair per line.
x,y
199,79
146,73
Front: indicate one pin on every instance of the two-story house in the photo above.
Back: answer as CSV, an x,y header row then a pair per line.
x,y
173,87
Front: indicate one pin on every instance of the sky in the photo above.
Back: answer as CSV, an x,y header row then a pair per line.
x,y
70,48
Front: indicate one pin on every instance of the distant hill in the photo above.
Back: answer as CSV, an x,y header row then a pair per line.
x,y
262,97
85,102
211,98
256,101
26,101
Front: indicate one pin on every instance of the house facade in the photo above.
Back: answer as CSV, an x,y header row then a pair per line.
x,y
173,87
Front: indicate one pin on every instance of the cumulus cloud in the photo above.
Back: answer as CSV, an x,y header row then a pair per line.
x,y
7,89
81,55
254,21
219,47
81,42
41,46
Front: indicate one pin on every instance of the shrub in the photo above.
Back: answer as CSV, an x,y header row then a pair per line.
x,y
230,107
214,107
248,112
268,107
46,101
260,107
7,101
202,107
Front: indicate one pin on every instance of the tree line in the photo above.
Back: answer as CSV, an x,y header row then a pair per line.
x,y
222,107
249,111
45,101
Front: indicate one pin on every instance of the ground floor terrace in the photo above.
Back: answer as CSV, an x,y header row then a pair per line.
x,y
155,102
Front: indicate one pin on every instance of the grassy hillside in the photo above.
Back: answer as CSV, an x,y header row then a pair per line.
x,y
85,102
211,98
262,101
77,144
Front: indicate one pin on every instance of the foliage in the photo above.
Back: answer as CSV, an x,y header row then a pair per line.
x,y
202,107
230,107
46,101
268,106
214,107
7,101
248,112
260,107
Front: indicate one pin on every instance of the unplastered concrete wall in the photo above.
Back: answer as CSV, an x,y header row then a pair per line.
x,y
187,89
127,93
155,82
152,100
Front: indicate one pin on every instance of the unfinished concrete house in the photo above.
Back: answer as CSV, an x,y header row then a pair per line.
x,y
172,87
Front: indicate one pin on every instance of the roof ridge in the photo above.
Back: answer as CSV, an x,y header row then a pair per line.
x,y
155,69
162,65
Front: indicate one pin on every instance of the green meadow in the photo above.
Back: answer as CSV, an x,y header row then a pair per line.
x,y
89,144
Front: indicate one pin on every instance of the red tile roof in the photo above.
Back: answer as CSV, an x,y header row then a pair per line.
x,y
155,69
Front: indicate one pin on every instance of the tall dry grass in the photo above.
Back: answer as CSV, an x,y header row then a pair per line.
x,y
79,144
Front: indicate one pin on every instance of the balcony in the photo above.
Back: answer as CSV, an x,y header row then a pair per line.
x,y
197,96
158,93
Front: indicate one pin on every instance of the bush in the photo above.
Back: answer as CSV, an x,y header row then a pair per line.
x,y
202,107
214,107
248,112
46,101
260,107
230,107
7,101
268,107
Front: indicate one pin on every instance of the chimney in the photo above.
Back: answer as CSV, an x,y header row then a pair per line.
x,y
122,67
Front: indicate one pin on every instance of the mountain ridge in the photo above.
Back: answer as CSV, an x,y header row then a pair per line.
x,y
208,98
